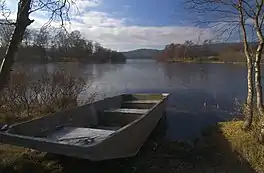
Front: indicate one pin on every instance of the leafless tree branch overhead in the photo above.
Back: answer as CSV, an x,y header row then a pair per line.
x,y
56,9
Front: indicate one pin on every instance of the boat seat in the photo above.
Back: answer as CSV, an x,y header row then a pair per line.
x,y
119,117
127,111
108,127
142,101
139,104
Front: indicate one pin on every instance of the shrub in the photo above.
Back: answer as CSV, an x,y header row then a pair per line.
x,y
36,92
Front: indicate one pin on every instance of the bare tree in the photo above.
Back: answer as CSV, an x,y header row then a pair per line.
x,y
57,44
187,44
5,34
42,38
246,16
27,38
249,107
56,8
258,18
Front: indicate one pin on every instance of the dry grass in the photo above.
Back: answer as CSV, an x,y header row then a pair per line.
x,y
244,143
16,159
214,152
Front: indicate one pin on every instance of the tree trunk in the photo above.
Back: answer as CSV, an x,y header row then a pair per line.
x,y
249,103
21,24
258,85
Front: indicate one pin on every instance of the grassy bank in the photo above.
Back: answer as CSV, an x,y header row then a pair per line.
x,y
195,61
205,62
245,144
208,62
223,148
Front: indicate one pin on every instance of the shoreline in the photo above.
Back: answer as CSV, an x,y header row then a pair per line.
x,y
77,62
208,62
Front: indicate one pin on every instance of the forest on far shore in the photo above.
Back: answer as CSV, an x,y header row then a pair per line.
x,y
206,52
57,45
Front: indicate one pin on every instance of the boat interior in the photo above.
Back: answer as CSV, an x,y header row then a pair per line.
x,y
90,123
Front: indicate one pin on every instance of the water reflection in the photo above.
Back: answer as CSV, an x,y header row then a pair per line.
x,y
185,75
201,94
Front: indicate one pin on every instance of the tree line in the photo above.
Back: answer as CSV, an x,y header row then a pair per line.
x,y
186,51
53,45
207,51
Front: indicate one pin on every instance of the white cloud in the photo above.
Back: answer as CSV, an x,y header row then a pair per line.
x,y
99,19
132,37
115,34
82,5
79,7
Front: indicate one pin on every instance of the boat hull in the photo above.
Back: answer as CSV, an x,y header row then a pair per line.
x,y
124,142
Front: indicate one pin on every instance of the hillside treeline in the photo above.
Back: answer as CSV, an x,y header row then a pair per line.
x,y
208,51
57,45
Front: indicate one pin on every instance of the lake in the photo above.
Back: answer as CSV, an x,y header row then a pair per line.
x,y
201,94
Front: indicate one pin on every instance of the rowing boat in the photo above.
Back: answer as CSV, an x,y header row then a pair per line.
x,y
111,128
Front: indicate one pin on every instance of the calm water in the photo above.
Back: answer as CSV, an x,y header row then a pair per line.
x,y
201,94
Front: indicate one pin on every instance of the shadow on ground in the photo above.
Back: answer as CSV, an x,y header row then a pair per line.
x,y
209,154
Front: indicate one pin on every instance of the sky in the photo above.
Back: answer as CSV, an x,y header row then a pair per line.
x,y
125,25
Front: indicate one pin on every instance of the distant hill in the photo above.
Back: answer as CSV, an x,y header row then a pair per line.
x,y
154,53
142,54
174,52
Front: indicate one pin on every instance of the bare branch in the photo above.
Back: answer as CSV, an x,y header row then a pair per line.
x,y
5,12
41,5
261,21
57,8
256,18
7,23
250,7
231,31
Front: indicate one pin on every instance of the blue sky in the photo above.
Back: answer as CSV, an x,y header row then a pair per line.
x,y
128,24
146,12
